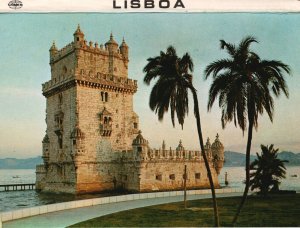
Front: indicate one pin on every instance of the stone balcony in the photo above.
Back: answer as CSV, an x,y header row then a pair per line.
x,y
105,129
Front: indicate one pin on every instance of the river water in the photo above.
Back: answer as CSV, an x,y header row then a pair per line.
x,y
13,200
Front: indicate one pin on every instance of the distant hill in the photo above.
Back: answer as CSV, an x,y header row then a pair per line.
x,y
294,159
14,163
232,159
239,159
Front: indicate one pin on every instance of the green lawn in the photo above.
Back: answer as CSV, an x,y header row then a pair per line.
x,y
283,210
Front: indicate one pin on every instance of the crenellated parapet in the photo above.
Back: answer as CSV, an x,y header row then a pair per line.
x,y
56,54
96,80
142,152
111,48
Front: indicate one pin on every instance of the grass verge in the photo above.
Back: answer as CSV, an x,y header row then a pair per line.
x,y
275,211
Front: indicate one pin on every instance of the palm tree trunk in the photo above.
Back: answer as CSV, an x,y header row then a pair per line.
x,y
184,187
247,184
197,116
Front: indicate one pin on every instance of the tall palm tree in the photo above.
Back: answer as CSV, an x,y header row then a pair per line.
x,y
174,80
267,170
244,84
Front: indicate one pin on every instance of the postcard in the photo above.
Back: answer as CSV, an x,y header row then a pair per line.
x,y
125,104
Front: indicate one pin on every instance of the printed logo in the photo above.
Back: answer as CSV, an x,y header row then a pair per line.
x,y
15,4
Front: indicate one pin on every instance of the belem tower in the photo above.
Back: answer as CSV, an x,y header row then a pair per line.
x,y
93,142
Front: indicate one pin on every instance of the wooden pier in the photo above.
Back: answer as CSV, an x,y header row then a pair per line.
x,y
16,187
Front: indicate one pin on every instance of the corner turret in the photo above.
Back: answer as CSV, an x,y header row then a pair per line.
x,y
46,145
53,50
140,147
180,146
112,45
218,154
124,49
78,36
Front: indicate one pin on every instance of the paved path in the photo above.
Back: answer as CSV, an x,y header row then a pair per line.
x,y
72,216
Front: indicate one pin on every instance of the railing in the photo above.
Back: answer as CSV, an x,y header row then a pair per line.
x,y
16,187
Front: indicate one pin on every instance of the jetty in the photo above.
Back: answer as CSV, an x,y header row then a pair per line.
x,y
16,187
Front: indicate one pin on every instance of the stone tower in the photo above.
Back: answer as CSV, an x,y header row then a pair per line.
x,y
89,116
93,142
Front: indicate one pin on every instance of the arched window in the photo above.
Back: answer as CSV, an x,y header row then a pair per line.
x,y
65,70
102,96
106,97
91,74
105,120
60,99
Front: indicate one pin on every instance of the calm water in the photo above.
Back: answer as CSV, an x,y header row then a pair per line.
x,y
21,199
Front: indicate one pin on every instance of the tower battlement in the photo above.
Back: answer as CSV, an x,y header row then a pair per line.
x,y
94,49
96,80
110,48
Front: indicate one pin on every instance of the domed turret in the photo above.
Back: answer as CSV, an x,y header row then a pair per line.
x,y
112,45
78,145
207,148
78,35
217,144
53,50
139,140
218,154
77,133
180,146
140,147
124,49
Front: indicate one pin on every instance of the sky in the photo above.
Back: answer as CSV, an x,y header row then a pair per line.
x,y
24,63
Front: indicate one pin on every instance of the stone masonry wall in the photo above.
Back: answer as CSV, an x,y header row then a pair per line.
x,y
169,175
97,169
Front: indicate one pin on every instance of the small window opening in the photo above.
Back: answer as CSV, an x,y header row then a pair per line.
x,y
158,177
197,175
172,176
60,141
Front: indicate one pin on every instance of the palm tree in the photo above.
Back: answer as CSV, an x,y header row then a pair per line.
x,y
267,170
244,84
174,80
